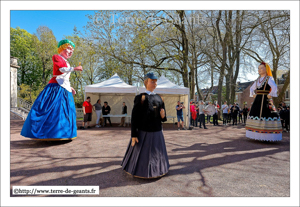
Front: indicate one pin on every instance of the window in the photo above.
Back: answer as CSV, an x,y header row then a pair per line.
x,y
287,94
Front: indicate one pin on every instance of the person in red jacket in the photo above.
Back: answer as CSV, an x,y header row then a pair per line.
x,y
53,114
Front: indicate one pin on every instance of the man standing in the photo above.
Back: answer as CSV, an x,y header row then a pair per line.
x,y
229,115
287,119
283,105
234,113
281,115
106,111
124,111
225,113
87,112
179,111
202,115
240,115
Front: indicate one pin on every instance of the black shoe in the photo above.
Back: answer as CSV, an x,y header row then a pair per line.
x,y
205,128
88,127
200,127
81,127
183,129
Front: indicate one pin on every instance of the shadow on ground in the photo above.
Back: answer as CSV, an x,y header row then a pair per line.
x,y
203,155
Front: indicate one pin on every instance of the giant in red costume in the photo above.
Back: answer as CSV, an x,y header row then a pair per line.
x,y
53,114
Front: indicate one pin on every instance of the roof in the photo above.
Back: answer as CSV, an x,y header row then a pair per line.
x,y
113,85
240,87
213,91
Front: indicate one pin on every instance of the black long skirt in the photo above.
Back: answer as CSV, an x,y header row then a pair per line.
x,y
148,158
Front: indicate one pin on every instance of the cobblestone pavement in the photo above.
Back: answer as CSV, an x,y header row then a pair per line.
x,y
217,162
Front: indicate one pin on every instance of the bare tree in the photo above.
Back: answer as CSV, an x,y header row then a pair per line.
x,y
274,39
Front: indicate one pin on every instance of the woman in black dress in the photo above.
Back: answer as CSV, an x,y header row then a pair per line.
x,y
146,154
263,122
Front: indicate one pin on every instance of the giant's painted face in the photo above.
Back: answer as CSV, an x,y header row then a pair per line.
x,y
262,70
68,52
151,85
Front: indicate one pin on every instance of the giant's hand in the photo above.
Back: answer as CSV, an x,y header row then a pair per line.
x,y
269,96
134,140
78,68
73,91
254,95
162,113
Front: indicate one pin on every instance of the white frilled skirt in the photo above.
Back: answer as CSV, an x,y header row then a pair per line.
x,y
263,137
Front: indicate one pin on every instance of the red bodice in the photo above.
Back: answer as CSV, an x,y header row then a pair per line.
x,y
58,62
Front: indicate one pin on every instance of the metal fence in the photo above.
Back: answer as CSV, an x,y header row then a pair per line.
x,y
24,104
79,113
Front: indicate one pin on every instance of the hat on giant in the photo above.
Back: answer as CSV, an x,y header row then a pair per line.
x,y
62,42
150,75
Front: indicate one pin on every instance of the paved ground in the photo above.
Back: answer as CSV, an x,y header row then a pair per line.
x,y
219,162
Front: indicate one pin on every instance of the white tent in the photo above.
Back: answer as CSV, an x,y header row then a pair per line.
x,y
171,94
115,91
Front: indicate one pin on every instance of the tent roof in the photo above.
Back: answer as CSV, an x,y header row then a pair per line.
x,y
113,85
165,86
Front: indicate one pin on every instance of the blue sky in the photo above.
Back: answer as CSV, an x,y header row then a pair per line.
x,y
60,22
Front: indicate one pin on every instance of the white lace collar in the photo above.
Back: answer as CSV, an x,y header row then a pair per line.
x,y
150,93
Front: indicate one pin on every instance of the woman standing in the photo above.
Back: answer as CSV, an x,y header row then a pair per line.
x,y
263,122
53,114
245,113
208,115
215,116
98,110
193,112
146,154
229,114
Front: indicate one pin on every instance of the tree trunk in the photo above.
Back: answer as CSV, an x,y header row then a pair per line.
x,y
44,71
227,87
224,58
237,70
199,92
130,74
185,51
